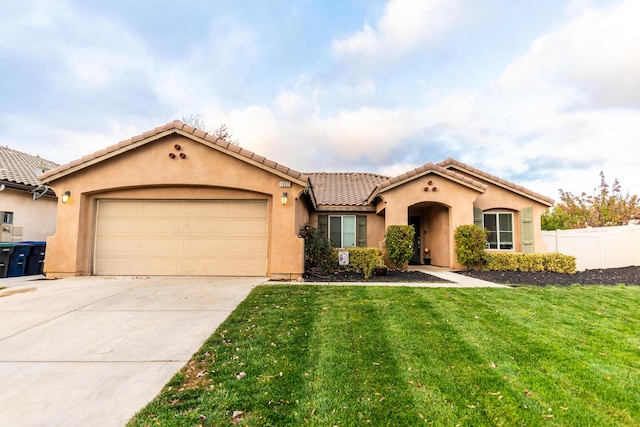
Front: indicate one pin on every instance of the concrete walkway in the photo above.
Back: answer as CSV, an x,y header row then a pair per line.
x,y
455,280
92,351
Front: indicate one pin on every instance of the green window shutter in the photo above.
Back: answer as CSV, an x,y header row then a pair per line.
x,y
477,217
526,230
323,225
361,230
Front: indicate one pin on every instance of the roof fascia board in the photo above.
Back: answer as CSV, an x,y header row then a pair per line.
x,y
158,136
345,209
499,184
379,191
108,155
245,159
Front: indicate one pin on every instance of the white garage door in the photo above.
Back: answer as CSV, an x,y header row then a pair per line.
x,y
158,237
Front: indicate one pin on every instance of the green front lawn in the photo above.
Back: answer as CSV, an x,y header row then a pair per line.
x,y
357,356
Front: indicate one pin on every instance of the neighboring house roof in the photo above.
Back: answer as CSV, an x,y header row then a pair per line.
x,y
20,169
463,167
175,127
334,189
424,170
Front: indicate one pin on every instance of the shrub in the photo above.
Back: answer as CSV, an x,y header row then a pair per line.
x,y
509,261
501,261
559,263
318,251
531,262
398,244
471,244
364,260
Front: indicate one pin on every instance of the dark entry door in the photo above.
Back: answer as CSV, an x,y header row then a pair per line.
x,y
415,222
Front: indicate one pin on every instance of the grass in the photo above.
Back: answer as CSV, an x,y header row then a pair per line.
x,y
388,356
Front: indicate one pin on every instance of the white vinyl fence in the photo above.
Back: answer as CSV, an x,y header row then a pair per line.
x,y
603,247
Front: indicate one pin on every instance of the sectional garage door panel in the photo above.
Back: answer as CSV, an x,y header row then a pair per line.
x,y
154,237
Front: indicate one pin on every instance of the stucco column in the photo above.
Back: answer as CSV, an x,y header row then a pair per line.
x,y
61,255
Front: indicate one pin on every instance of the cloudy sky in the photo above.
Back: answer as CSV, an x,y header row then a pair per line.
x,y
544,93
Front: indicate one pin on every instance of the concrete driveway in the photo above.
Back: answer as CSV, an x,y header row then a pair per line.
x,y
94,350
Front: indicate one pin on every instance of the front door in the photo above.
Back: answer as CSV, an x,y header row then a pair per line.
x,y
414,221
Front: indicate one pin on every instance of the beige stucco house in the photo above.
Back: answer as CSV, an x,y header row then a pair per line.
x,y
23,216
178,201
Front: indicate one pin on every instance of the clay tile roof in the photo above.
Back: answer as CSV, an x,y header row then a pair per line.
x,y
22,168
343,188
175,126
452,163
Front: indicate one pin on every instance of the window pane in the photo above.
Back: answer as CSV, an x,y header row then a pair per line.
x,y
490,224
506,222
348,231
335,231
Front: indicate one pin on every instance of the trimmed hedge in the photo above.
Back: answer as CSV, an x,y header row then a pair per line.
x,y
508,261
363,260
398,245
471,244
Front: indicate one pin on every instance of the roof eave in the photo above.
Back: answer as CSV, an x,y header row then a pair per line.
x,y
345,208
481,188
140,140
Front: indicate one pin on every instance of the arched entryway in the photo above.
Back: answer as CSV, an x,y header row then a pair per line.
x,y
432,243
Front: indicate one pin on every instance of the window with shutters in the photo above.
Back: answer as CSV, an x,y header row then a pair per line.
x,y
500,227
344,231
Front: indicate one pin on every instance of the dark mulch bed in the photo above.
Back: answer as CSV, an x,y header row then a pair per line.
x,y
391,276
609,276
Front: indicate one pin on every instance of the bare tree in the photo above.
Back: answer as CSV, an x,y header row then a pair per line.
x,y
222,133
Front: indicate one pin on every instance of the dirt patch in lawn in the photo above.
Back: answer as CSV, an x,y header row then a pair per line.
x,y
608,276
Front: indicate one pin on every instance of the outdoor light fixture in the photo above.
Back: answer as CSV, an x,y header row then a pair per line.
x,y
284,198
66,196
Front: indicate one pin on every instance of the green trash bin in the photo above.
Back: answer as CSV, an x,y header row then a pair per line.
x,y
6,250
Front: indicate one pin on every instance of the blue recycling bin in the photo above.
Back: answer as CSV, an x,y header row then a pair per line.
x,y
35,260
6,249
18,260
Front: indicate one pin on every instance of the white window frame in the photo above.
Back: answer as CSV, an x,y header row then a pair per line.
x,y
342,230
498,232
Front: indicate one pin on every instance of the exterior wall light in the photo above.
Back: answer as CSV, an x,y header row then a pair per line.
x,y
284,198
66,196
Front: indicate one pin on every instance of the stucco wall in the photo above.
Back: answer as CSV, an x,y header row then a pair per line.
x,y
36,217
499,199
149,172
457,198
375,225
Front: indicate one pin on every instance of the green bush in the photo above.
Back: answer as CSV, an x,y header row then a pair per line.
x,y
398,244
509,261
501,261
531,262
471,244
318,251
364,260
559,263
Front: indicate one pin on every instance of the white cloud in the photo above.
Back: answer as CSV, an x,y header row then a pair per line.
x,y
594,59
403,26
